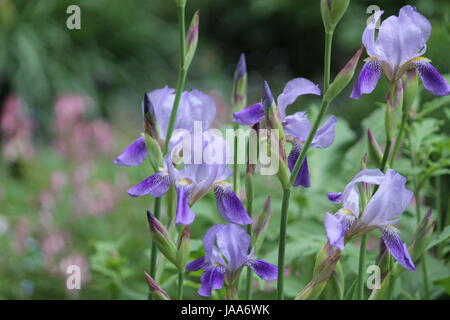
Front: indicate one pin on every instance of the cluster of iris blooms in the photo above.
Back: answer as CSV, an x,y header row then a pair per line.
x,y
373,199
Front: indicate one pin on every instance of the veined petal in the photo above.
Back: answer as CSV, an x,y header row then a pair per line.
x,y
397,248
156,185
431,79
197,264
262,269
367,79
184,214
297,125
368,38
249,116
229,205
133,155
233,242
325,135
335,229
302,178
292,90
211,279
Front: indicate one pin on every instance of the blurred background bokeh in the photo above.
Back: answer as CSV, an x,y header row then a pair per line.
x,y
70,101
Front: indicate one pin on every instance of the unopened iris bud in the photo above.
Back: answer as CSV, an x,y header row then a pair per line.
x,y
154,151
423,235
148,113
183,249
375,152
239,97
262,222
332,12
155,289
411,86
192,39
161,237
343,78
270,108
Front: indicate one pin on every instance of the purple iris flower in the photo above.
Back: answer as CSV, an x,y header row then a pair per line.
x,y
194,180
382,212
227,251
296,125
194,106
400,44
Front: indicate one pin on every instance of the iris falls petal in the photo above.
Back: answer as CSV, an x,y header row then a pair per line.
x,y
431,79
184,214
156,185
262,269
133,155
211,279
302,178
229,205
367,79
249,116
398,248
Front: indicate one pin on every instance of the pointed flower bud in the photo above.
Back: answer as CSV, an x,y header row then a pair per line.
x,y
183,249
154,150
423,235
239,98
343,77
161,237
262,222
267,97
155,289
192,40
148,113
332,12
375,151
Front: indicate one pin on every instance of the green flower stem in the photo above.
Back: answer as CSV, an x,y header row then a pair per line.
x,y
249,191
362,265
327,60
154,252
235,164
282,243
231,292
180,285
398,140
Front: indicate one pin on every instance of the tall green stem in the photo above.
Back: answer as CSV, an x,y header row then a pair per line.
x,y
249,191
154,252
399,138
327,60
180,285
282,243
362,265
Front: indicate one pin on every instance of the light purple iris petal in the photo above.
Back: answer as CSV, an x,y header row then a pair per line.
x,y
267,97
162,102
212,253
325,135
367,79
297,125
390,200
197,264
184,214
156,185
335,230
292,90
368,38
233,242
133,155
431,79
262,269
398,249
302,178
230,207
350,197
249,116
335,197
212,279
195,106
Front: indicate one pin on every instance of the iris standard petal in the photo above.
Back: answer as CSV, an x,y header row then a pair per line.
x,y
302,178
325,135
195,106
367,79
431,79
249,116
262,269
398,248
184,214
297,125
211,279
133,155
229,205
335,230
390,200
292,90
197,264
368,38
233,242
156,185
